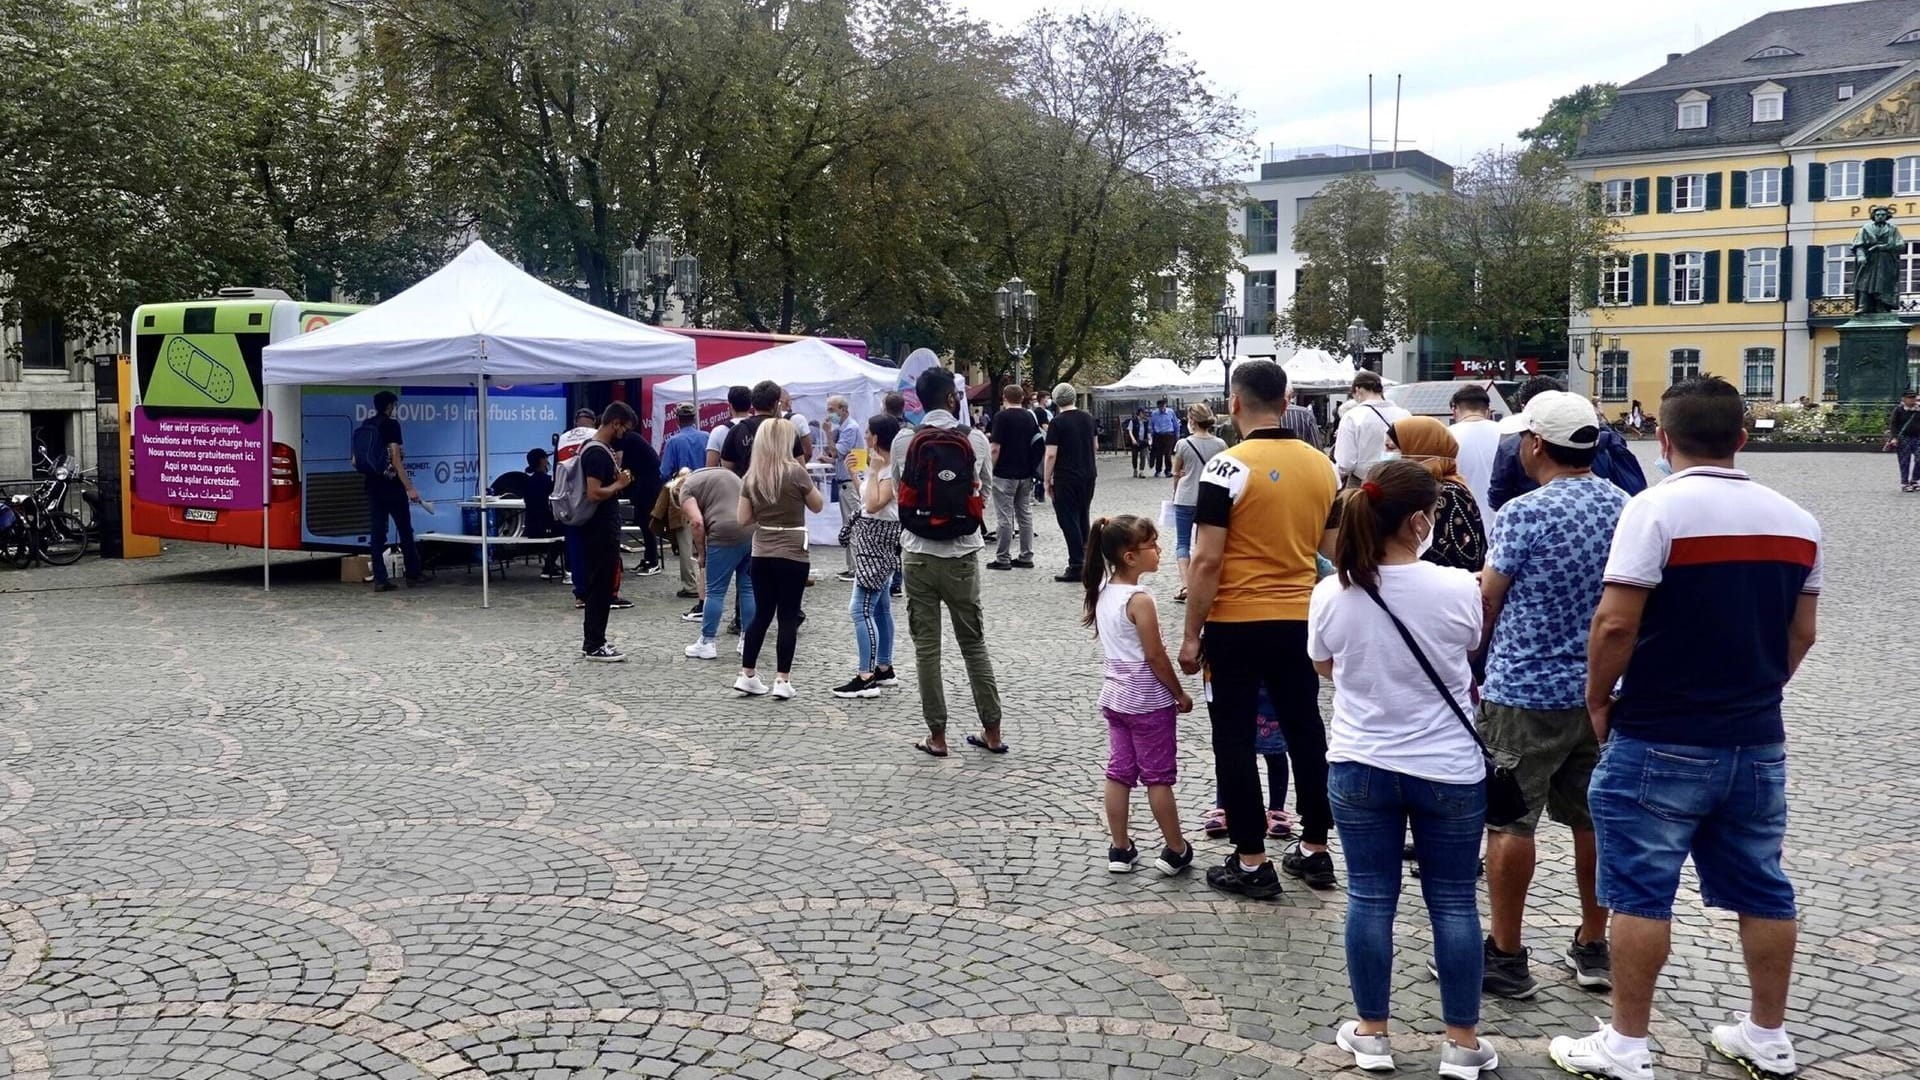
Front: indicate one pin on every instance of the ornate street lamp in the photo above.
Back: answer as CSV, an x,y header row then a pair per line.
x,y
686,282
659,272
633,269
1358,338
1226,342
1015,306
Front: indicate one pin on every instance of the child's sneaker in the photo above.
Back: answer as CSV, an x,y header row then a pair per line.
x,y
1123,860
1763,1059
1215,823
1279,825
1172,862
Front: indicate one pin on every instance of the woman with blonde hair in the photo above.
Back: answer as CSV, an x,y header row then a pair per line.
x,y
1190,455
1459,536
775,496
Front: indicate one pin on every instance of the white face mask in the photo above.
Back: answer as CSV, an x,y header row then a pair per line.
x,y
1389,455
1426,542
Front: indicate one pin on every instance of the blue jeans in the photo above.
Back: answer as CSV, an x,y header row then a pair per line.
x,y
1183,531
387,500
872,611
725,563
1654,803
1372,809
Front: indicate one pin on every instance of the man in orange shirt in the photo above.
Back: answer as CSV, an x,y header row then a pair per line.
x,y
1262,513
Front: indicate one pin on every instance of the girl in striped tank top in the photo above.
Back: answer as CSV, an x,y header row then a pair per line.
x,y
1140,694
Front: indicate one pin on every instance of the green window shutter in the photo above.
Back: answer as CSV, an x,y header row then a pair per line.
x,y
1816,182
1786,186
1736,276
1662,271
1663,197
1640,196
1786,273
1710,279
1713,191
1816,270
1876,179
1640,280
1737,190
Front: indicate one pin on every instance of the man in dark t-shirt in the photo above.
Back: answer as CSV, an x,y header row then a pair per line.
x,y
738,448
600,536
389,498
1903,434
1070,475
638,457
1012,439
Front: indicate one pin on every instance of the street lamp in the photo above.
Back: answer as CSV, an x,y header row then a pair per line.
x,y
686,281
1226,342
1015,306
659,268
653,271
1358,338
633,269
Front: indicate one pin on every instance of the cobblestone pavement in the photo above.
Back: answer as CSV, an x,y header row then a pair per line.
x,y
322,833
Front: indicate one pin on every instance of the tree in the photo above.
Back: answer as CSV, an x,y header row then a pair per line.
x,y
1346,236
1561,126
1501,256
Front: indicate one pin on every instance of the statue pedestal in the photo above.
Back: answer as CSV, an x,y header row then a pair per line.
x,y
1873,359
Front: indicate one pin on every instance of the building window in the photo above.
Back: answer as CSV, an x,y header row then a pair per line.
x,y
1760,373
1263,228
1686,364
1763,187
1907,38
1259,302
1613,375
1763,274
1688,284
1616,281
1690,191
43,341
1166,293
1839,271
1616,198
1773,52
1906,176
1910,267
1830,373
1302,204
1843,180
1846,91
1769,107
1913,366
1693,114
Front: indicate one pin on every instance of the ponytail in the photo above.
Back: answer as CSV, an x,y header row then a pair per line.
x,y
1108,542
1394,492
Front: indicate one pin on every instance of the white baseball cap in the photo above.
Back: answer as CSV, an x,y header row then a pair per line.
x,y
1563,419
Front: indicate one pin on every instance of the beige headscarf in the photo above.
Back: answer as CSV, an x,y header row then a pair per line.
x,y
1427,441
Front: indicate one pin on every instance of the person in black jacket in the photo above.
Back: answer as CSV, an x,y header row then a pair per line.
x,y
638,456
1613,459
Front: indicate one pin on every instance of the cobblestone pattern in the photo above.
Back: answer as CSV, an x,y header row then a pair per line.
x,y
321,833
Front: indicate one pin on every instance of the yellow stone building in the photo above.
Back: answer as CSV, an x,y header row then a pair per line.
x,y
1738,174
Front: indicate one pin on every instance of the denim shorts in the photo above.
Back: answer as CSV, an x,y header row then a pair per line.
x,y
1655,803
1183,531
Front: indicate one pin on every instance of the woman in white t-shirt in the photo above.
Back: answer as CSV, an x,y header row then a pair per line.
x,y
1399,754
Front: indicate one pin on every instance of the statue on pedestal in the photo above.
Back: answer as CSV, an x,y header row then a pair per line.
x,y
1876,262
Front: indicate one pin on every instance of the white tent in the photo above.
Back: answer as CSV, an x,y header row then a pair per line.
x,y
1209,377
1318,371
810,370
1153,375
476,319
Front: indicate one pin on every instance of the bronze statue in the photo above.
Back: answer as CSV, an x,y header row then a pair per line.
x,y
1876,262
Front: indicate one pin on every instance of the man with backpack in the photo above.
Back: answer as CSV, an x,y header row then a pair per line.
x,y
586,495
941,474
740,405
738,446
380,458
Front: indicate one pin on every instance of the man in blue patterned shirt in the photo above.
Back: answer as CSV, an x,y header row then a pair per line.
x,y
1543,579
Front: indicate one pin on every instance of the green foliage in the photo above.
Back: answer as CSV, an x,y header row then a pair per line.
x,y
1346,235
1560,127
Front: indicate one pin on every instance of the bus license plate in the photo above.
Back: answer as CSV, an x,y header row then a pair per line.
x,y
195,513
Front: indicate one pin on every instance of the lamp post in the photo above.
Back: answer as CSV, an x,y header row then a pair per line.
x,y
1015,306
1226,341
633,265
653,271
686,282
1358,338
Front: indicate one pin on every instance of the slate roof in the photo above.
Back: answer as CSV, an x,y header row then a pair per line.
x,y
1645,120
1833,36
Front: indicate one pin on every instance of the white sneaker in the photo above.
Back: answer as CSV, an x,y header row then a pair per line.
x,y
1373,1053
703,650
1590,1057
1459,1063
750,685
782,689
1758,1058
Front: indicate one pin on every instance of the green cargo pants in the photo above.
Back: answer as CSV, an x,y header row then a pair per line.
x,y
931,582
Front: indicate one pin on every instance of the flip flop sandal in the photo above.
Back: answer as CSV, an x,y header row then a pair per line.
x,y
975,740
928,750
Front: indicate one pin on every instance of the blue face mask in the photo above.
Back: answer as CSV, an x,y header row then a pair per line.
x,y
1663,467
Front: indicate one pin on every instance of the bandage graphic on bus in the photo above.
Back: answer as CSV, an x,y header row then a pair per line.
x,y
200,370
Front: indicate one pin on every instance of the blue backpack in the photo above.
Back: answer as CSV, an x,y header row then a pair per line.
x,y
369,457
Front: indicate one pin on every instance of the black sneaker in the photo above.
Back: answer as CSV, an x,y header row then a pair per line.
x,y
884,676
1507,976
605,654
1172,862
1259,884
1023,564
1315,867
1123,860
1000,564
619,604
1591,964
686,594
858,686
649,569
1071,573
734,628
385,586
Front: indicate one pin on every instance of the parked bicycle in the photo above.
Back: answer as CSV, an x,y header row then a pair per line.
x,y
31,532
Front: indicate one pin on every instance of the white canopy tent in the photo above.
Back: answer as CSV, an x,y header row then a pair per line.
x,y
810,370
1151,376
477,319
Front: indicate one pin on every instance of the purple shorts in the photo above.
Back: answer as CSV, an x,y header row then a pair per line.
x,y
1142,748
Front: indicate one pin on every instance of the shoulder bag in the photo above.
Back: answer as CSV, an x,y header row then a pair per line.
x,y
1506,802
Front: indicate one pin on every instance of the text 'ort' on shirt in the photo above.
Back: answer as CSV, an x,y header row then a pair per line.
x,y
1273,495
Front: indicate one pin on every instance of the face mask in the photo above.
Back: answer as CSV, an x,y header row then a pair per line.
x,y
1663,467
1389,455
1426,543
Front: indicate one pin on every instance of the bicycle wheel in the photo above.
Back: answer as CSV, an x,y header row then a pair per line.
x,y
61,538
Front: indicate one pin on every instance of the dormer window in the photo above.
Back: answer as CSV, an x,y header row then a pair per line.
x,y
1908,38
1773,52
1769,103
1846,91
1692,110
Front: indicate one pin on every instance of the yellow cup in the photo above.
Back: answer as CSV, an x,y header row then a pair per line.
x,y
857,461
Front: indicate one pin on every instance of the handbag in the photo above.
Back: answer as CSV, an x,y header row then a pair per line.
x,y
1506,802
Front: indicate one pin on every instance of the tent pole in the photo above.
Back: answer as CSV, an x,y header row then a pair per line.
x,y
480,482
266,498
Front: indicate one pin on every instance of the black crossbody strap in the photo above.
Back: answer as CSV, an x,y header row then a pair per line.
x,y
1427,666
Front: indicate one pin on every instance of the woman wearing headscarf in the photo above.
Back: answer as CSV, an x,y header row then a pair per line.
x,y
1459,537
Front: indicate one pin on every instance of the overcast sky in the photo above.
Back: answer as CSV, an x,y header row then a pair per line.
x,y
1476,71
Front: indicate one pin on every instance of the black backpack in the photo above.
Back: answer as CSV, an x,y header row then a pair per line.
x,y
940,498
737,449
369,457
